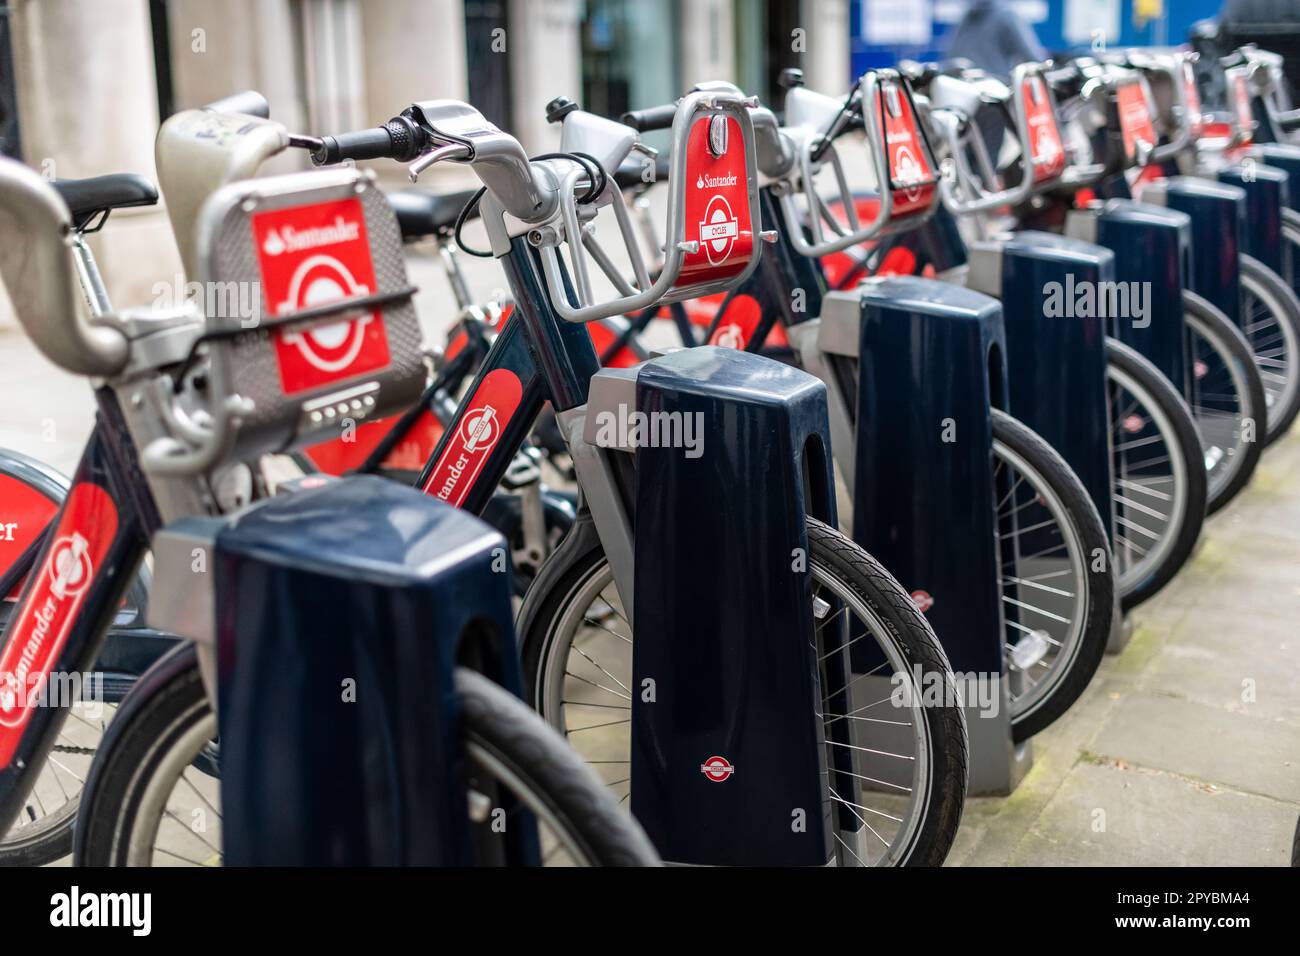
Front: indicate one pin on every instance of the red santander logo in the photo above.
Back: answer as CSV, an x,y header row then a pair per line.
x,y
310,256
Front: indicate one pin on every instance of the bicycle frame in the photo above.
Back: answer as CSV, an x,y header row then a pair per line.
x,y
83,569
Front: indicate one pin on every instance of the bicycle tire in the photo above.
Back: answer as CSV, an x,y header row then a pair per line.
x,y
1260,282
1230,345
1162,402
1073,676
582,556
170,704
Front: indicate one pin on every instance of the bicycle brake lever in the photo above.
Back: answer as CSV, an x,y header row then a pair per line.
x,y
425,160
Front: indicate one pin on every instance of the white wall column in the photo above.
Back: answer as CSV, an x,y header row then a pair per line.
x,y
88,105
708,46
220,47
826,60
545,47
413,50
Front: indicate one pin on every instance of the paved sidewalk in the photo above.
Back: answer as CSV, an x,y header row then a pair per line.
x,y
1185,750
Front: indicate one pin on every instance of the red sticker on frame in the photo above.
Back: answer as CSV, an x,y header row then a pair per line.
x,y
1134,118
1045,147
24,514
489,411
310,256
68,566
911,167
1192,100
1242,114
717,202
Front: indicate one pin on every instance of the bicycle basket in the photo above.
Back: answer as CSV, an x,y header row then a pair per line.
x,y
334,340
905,171
713,218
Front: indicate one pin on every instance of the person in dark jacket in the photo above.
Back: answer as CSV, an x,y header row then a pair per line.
x,y
994,38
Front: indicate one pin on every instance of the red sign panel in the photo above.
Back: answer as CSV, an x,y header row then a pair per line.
x,y
717,203
311,256
1134,119
79,544
1242,114
1045,147
489,411
911,166
1192,100
24,513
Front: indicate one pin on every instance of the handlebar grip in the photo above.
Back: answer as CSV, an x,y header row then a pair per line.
x,y
655,117
250,103
398,139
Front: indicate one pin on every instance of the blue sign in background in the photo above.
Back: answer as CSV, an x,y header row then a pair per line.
x,y
1167,29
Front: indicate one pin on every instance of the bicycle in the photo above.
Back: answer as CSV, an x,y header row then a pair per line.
x,y
103,529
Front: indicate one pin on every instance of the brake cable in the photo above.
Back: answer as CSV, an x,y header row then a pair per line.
x,y
596,175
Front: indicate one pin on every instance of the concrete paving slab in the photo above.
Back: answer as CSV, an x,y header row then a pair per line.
x,y
1164,732
1109,813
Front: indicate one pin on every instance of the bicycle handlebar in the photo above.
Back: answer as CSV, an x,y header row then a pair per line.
x,y
651,118
398,139
249,102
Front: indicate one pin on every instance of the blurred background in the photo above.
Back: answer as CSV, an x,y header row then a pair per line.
x,y
84,83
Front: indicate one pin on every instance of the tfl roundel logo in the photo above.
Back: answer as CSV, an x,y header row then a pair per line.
x,y
717,769
333,346
480,429
310,256
719,229
70,568
908,171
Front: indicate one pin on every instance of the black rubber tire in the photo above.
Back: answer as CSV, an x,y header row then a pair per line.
x,y
1188,445
1273,285
1230,341
170,699
167,700
1091,533
52,843
543,762
840,556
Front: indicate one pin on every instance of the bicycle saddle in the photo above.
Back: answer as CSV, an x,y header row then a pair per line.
x,y
421,213
87,198
630,174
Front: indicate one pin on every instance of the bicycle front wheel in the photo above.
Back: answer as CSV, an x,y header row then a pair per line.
x,y
1271,322
153,798
897,773
1158,476
1058,580
1227,399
